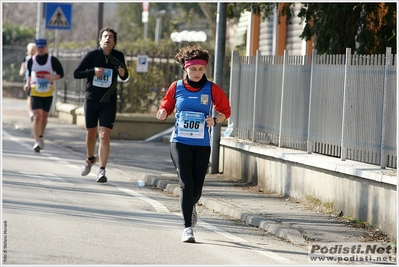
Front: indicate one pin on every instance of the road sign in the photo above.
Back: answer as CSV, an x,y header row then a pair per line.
x,y
145,6
142,63
144,16
58,16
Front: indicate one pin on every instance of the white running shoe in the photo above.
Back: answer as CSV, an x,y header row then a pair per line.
x,y
101,178
188,235
87,167
41,143
36,147
194,216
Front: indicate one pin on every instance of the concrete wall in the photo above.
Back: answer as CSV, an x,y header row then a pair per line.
x,y
13,89
362,191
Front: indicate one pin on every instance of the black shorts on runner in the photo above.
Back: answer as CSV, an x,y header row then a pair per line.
x,y
41,103
97,113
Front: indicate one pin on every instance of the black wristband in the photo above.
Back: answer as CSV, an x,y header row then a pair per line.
x,y
215,121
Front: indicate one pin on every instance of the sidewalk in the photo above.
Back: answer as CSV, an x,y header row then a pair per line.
x,y
280,216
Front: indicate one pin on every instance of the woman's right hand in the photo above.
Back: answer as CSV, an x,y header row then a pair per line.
x,y
161,114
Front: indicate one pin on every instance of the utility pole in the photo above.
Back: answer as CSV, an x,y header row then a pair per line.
x,y
144,18
100,19
40,29
220,44
159,15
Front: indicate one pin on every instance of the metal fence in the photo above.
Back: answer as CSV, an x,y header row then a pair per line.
x,y
70,90
12,57
337,105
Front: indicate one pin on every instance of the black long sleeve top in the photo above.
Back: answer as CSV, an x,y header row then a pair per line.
x,y
97,58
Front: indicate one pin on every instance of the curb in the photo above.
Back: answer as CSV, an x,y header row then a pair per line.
x,y
220,206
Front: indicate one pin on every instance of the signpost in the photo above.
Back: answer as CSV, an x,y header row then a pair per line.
x,y
58,17
144,18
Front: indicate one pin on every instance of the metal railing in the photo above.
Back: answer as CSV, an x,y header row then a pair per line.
x,y
337,105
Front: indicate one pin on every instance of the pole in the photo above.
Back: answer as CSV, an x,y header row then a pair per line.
x,y
219,60
55,100
100,19
121,97
39,21
144,18
157,29
145,30
158,16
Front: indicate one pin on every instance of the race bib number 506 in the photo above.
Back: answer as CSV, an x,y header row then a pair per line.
x,y
191,124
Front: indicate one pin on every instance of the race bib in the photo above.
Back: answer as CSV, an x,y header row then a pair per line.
x,y
191,124
42,85
105,80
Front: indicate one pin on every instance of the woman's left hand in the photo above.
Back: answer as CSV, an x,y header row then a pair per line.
x,y
210,121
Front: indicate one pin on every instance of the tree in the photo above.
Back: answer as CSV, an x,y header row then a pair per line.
x,y
178,16
17,34
265,10
363,27
379,28
366,28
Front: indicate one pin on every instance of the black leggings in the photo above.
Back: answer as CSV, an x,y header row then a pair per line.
x,y
191,163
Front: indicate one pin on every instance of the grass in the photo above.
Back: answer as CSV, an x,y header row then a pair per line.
x,y
327,207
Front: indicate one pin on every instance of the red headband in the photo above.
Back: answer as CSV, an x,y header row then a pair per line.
x,y
195,62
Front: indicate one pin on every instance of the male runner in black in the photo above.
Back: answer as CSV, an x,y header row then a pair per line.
x,y
101,67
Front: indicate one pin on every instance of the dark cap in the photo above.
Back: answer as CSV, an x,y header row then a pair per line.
x,y
41,42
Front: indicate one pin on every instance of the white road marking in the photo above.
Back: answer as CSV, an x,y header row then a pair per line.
x,y
159,207
221,232
275,256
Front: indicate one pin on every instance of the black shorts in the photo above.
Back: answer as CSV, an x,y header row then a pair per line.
x,y
42,103
97,113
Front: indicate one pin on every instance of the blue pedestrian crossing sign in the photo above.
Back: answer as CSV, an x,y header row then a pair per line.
x,y
58,16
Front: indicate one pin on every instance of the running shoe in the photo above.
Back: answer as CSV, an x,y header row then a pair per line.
x,y
36,147
194,216
101,178
41,143
87,167
188,235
